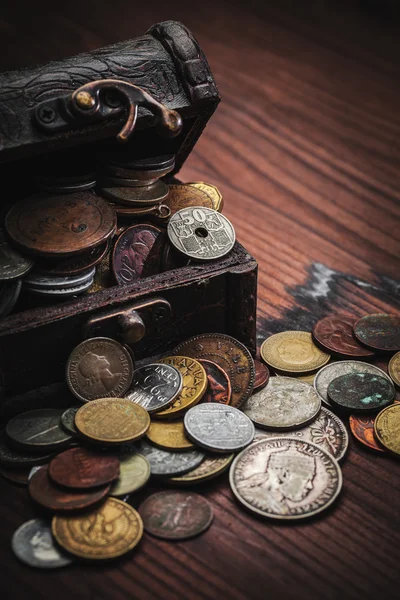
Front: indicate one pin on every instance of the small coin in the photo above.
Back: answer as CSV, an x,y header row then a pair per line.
x,y
83,469
167,464
362,427
68,420
155,386
285,478
379,331
169,435
335,334
212,191
98,368
293,352
38,430
9,294
219,387
229,354
33,544
218,428
13,264
19,476
361,392
394,368
262,375
326,431
111,530
132,252
387,428
285,403
183,195
19,459
201,233
75,264
211,467
176,515
134,474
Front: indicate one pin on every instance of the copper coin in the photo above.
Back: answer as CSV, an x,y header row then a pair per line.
x,y
81,468
74,264
132,250
219,387
19,476
262,375
176,515
362,427
379,331
47,494
335,334
60,225
181,196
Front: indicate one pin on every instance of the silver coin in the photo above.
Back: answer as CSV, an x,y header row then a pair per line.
x,y
33,544
155,386
201,233
9,294
13,264
284,403
60,292
34,470
343,367
166,463
285,478
327,431
14,459
68,420
134,473
41,279
218,427
38,430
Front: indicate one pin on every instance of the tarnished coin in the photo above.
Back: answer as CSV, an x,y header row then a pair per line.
x,y
13,264
361,392
98,368
229,354
112,420
212,466
34,545
68,420
174,515
219,387
168,464
132,251
379,331
285,478
394,368
184,195
75,264
285,403
387,428
18,476
335,334
134,474
218,428
262,376
109,531
194,385
362,427
20,459
155,386
83,469
169,435
330,372
212,191
327,431
293,352
38,430
201,233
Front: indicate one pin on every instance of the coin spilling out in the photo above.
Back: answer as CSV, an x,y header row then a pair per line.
x,y
20,459
293,352
112,420
212,466
379,331
218,428
174,515
68,420
219,387
387,428
132,253
335,334
394,368
169,435
182,196
155,386
13,264
285,403
38,430
362,427
34,545
285,478
168,464
262,375
83,469
361,392
194,385
134,474
212,191
99,368
109,531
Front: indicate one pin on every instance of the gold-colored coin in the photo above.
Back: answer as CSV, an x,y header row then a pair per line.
x,y
194,386
212,191
293,352
183,195
112,420
211,467
170,436
394,368
387,428
134,473
106,532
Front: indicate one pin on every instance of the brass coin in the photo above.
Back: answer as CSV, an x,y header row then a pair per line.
x,y
106,532
212,191
394,368
293,352
387,428
184,195
193,388
112,420
212,466
134,472
170,436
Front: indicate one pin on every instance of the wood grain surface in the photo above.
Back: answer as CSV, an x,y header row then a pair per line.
x,y
305,149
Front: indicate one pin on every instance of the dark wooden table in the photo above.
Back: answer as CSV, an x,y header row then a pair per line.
x,y
305,149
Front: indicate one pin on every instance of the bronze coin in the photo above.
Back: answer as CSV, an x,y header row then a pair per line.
x,y
19,476
82,468
219,387
74,264
132,253
60,225
181,196
48,495
262,375
335,334
379,331
362,427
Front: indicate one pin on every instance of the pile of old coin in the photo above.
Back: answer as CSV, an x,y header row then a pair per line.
x,y
185,419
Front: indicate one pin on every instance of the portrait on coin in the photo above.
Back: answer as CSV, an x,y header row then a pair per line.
x,y
296,351
42,546
96,371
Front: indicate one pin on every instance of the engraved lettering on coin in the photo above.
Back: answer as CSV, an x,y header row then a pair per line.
x,y
212,191
34,545
361,392
293,352
194,385
182,196
387,428
38,430
335,334
155,386
379,331
12,263
132,251
166,464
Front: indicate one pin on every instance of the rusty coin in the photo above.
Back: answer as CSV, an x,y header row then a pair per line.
x,y
219,387
81,468
262,375
361,392
335,334
362,427
379,331
174,515
132,253
74,264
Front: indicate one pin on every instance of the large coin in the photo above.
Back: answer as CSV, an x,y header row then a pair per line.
x,y
335,334
262,376
293,352
285,403
212,191
394,368
99,368
132,252
229,354
218,428
82,468
169,435
361,392
379,331
38,430
106,532
19,459
176,515
219,387
13,265
75,264
211,467
327,431
201,233
285,478
33,544
387,428
168,464
182,196
155,386
112,420
134,473
362,427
